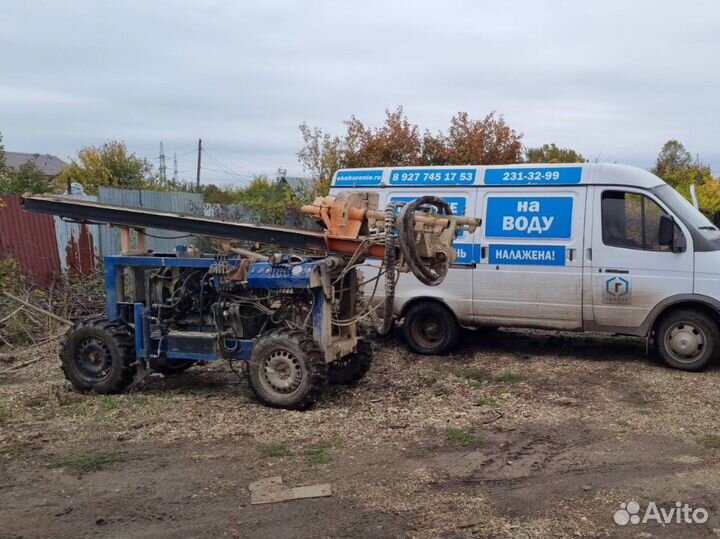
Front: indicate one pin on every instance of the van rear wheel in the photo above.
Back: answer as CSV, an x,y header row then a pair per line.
x,y
687,340
430,328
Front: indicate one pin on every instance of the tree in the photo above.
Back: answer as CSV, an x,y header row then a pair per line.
x,y
490,141
398,142
672,157
550,153
676,166
109,165
28,178
3,165
709,197
320,156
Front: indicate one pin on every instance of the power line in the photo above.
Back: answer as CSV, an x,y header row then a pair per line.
x,y
222,165
241,157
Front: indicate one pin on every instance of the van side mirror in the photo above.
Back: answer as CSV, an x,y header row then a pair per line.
x,y
666,230
716,219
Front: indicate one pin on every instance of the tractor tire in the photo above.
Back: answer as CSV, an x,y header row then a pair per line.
x,y
287,370
99,355
430,328
687,340
353,368
169,367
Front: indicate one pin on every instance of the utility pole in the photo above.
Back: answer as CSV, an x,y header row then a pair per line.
x,y
163,168
199,161
175,171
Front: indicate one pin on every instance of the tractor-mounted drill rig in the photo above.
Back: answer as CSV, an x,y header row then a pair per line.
x,y
292,316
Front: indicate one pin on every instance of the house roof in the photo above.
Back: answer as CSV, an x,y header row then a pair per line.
x,y
48,164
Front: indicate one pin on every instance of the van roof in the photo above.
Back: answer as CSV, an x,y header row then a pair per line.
x,y
498,175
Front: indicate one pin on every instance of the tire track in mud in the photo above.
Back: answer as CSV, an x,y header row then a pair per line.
x,y
527,471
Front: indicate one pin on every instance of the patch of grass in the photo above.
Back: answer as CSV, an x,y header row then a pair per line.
x,y
709,441
476,385
4,412
139,400
12,452
317,454
485,401
108,403
479,376
462,438
507,377
87,461
273,451
76,408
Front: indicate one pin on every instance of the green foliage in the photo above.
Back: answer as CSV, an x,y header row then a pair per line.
x,y
110,165
317,454
398,142
4,412
473,373
28,178
3,166
672,157
275,450
550,153
9,274
677,167
507,377
87,461
462,438
709,441
271,201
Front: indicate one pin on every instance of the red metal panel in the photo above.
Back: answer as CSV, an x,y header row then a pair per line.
x,y
80,252
30,239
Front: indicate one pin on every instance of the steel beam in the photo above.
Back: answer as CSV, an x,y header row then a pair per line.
x,y
93,212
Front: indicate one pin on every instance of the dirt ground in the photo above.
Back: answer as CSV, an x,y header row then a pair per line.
x,y
517,435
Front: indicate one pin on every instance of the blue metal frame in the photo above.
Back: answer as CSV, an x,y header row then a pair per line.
x,y
260,275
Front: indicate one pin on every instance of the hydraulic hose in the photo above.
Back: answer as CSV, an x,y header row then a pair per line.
x,y
405,241
431,276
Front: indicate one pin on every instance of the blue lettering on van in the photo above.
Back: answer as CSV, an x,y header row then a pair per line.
x,y
467,253
351,178
457,205
529,217
533,176
433,176
528,255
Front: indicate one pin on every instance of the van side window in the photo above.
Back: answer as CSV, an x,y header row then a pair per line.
x,y
632,221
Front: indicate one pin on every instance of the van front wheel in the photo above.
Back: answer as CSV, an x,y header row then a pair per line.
x,y
430,328
687,340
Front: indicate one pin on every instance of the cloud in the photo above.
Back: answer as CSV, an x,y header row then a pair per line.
x,y
613,79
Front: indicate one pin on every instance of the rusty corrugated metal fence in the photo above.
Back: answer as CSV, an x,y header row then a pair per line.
x,y
29,238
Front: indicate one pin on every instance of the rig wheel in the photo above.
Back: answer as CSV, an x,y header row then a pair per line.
x,y
287,370
353,368
99,355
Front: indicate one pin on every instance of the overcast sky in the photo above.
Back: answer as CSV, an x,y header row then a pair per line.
x,y
612,79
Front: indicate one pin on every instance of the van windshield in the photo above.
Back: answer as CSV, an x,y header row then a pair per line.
x,y
699,225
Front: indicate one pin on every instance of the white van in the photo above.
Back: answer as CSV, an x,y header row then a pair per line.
x,y
583,247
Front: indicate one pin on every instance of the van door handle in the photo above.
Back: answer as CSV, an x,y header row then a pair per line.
x,y
615,270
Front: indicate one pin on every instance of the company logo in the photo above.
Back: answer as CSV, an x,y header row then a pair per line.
x,y
617,290
681,513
